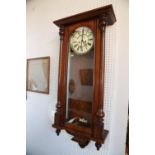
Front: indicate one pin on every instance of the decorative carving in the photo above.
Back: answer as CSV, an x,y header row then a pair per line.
x,y
82,141
100,115
61,32
103,20
99,128
58,106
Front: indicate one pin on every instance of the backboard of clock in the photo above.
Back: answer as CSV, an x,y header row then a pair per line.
x,y
79,109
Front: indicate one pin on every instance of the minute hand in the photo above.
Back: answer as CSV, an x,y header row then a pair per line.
x,y
82,39
82,34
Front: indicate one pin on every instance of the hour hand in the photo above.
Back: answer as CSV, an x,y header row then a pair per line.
x,y
81,48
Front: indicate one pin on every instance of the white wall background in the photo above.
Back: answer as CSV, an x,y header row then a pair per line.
x,y
43,40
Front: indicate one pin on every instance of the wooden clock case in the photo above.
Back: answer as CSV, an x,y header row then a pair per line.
x,y
97,20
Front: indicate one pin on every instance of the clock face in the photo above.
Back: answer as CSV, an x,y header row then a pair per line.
x,y
82,40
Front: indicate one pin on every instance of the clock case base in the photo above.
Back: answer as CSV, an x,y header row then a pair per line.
x,y
83,138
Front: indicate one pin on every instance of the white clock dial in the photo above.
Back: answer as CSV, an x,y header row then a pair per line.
x,y
82,40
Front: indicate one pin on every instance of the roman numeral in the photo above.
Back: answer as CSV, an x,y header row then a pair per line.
x,y
75,45
89,44
89,34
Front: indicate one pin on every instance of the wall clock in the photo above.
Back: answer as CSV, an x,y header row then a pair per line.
x,y
82,60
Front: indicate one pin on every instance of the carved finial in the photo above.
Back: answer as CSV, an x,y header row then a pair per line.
x,y
98,145
61,32
58,131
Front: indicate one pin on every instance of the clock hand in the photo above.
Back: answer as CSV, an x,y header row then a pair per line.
x,y
82,39
85,44
82,34
81,49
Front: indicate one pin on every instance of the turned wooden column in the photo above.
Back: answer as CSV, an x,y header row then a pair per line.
x,y
58,122
99,124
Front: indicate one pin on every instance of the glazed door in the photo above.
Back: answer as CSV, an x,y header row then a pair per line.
x,y
80,75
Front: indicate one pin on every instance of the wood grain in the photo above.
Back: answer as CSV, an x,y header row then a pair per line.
x,y
96,20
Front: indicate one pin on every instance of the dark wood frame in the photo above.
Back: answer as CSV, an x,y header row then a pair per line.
x,y
97,20
48,78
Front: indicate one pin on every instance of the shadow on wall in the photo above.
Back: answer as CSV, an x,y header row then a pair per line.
x,y
27,153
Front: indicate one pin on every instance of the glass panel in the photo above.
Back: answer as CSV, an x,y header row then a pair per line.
x,y
80,77
38,75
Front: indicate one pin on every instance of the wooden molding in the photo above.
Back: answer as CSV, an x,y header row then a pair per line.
x,y
95,13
